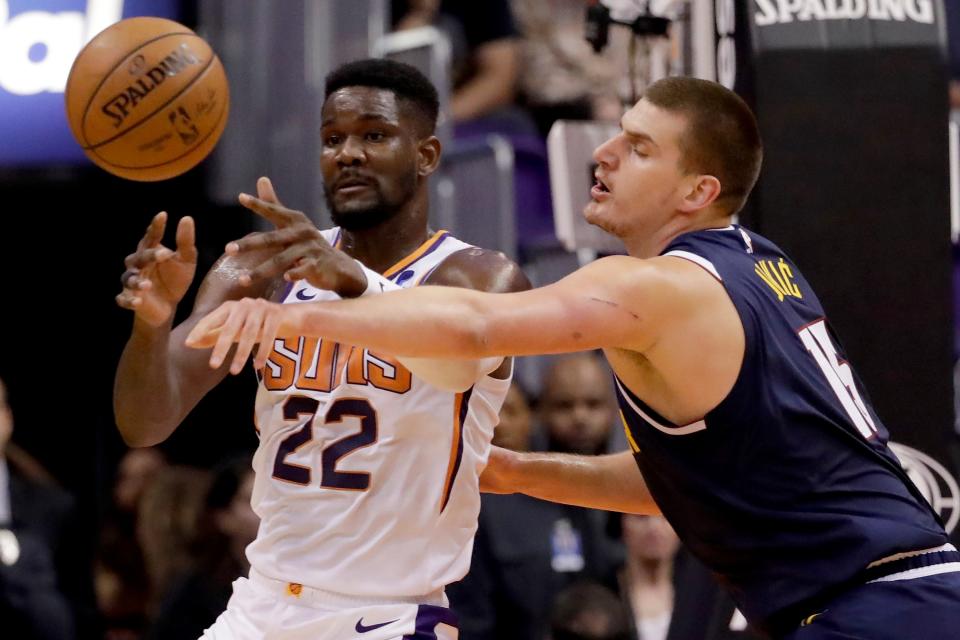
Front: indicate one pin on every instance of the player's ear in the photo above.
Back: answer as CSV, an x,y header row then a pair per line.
x,y
428,155
703,190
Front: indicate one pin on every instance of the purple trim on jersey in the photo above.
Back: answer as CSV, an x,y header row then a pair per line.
x,y
428,617
461,419
287,288
436,245
429,273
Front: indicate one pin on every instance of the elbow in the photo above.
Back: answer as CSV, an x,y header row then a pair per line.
x,y
644,507
137,435
475,336
139,440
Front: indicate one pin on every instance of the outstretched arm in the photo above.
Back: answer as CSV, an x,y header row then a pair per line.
x,y
480,270
471,268
615,302
611,482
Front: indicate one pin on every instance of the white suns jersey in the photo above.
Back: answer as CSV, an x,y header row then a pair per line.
x,y
367,478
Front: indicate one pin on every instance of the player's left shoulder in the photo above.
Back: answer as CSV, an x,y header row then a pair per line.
x,y
480,269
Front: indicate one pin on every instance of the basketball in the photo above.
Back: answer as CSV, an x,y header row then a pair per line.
x,y
147,99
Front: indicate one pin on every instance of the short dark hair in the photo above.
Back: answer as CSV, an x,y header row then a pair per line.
x,y
722,138
586,598
404,81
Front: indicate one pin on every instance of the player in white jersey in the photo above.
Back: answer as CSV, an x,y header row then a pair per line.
x,y
386,440
367,468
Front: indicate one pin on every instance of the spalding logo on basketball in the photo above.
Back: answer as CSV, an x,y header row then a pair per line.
x,y
147,99
933,480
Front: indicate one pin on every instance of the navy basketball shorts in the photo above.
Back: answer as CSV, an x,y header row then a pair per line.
x,y
920,608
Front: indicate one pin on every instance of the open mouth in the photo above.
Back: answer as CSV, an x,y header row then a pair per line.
x,y
599,188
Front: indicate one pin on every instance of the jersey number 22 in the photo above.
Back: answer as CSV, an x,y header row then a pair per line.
x,y
297,406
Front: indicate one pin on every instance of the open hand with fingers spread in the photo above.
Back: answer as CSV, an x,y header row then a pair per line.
x,y
301,251
246,322
157,278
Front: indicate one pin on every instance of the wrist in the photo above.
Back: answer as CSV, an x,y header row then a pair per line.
x,y
297,319
354,280
512,465
149,328
373,283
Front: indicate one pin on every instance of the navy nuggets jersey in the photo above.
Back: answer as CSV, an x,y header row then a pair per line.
x,y
786,489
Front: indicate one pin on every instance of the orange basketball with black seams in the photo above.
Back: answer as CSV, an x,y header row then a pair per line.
x,y
147,99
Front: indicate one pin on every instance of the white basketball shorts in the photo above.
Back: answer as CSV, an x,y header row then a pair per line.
x,y
265,609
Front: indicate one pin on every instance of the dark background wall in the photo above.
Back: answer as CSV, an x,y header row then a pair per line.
x,y
855,187
62,245
64,233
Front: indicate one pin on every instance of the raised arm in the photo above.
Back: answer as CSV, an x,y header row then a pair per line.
x,y
158,380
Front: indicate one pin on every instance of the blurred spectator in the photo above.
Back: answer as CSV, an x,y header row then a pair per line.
x,y
486,60
226,525
577,408
647,578
528,550
122,585
167,516
561,76
953,46
45,580
588,611
668,593
516,418
135,472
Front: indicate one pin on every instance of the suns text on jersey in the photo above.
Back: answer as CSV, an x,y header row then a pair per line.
x,y
321,364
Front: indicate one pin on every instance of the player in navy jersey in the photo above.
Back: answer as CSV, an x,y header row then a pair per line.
x,y
751,430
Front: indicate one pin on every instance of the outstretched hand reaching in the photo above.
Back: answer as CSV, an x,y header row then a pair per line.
x,y
157,278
